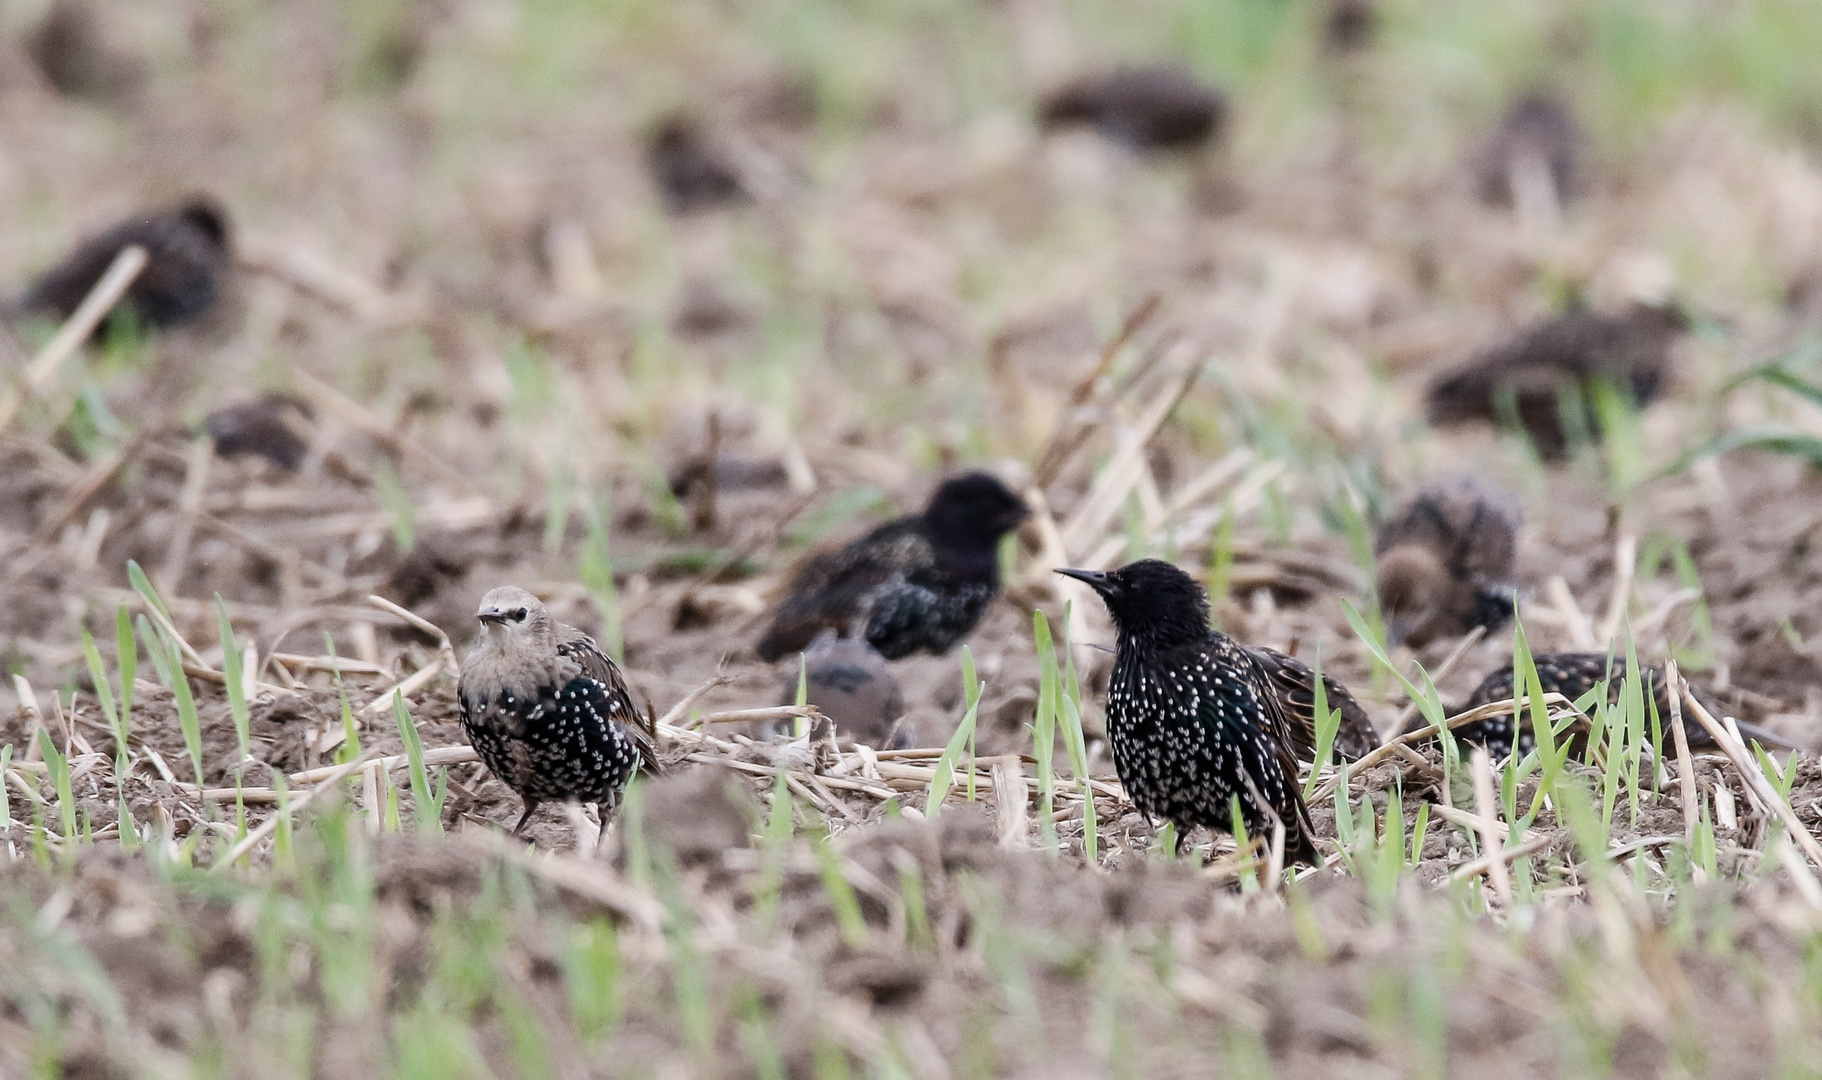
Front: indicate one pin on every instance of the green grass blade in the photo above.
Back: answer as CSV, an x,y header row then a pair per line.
x,y
1328,725
1078,764
429,811
143,586
1043,729
945,765
233,677
57,764
351,733
126,659
154,646
186,710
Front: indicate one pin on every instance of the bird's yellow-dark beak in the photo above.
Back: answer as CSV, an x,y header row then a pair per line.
x,y
1094,579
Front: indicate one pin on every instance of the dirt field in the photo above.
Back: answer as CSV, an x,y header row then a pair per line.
x,y
507,349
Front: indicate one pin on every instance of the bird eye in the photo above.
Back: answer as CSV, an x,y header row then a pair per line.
x,y
518,614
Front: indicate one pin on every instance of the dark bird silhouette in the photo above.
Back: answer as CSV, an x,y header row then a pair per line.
x,y
853,686
1350,24
918,583
548,711
1193,720
1295,684
187,259
1443,561
1147,108
273,426
73,52
1546,376
689,170
1538,140
1573,675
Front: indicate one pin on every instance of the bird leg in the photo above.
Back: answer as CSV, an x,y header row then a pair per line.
x,y
531,807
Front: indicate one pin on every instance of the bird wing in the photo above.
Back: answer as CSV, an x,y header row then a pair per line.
x,y
1280,791
834,589
578,647
1295,684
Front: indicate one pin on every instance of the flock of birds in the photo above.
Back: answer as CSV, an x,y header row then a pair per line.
x,y
1197,723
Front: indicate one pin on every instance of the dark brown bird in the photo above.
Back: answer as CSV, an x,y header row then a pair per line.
x,y
1550,372
1444,561
1350,24
1573,675
918,583
1193,720
1537,141
187,261
547,710
690,171
72,51
1146,108
854,687
1295,684
273,426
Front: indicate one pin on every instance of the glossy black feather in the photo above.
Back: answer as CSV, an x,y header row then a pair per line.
x,y
1294,682
187,261
1192,717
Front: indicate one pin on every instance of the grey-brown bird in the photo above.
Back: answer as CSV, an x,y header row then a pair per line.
x,y
1444,561
1146,108
851,684
1538,140
1295,684
547,710
1545,379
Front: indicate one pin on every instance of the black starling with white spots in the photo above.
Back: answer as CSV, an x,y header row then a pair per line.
x,y
1147,108
1546,378
916,584
548,711
1444,561
187,260
1573,675
1295,684
1193,720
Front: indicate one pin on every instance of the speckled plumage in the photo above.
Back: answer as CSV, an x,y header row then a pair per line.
x,y
187,257
915,584
1573,675
548,711
1444,560
1294,682
1191,716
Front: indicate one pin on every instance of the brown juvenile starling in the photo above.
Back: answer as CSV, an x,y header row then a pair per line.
x,y
1295,684
1148,108
1538,135
1546,376
548,711
691,173
1193,720
916,583
853,686
187,260
1443,561
274,426
1572,675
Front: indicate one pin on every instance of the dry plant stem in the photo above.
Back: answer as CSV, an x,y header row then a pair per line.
x,y
381,705
1581,631
1468,641
1071,432
1625,563
189,505
1490,840
90,483
682,708
1494,863
1755,780
75,330
776,712
270,825
1109,491
444,648
1685,763
1389,748
28,703
356,415
1800,875
1014,822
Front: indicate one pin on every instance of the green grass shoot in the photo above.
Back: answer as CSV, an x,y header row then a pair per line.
x,y
186,710
57,764
944,777
423,799
1328,725
1043,728
351,732
234,677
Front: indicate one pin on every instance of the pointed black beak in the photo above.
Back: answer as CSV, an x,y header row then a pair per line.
x,y
491,615
1094,579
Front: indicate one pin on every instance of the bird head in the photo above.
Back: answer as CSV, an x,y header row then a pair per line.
x,y
512,616
1414,593
1150,599
974,509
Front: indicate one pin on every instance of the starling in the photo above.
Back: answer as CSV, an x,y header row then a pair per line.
x,y
187,258
1545,377
916,583
274,426
853,686
1573,675
1538,134
1294,683
1444,561
71,48
690,171
548,711
1149,108
1193,719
